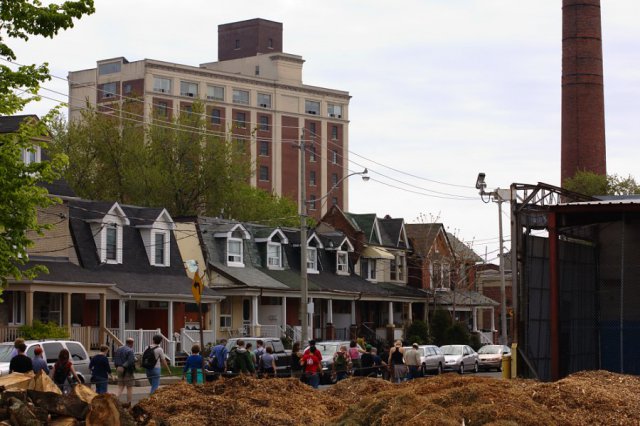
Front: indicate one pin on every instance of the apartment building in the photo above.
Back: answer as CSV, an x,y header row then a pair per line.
x,y
255,92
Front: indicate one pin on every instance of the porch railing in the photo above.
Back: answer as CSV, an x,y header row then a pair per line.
x,y
9,333
271,331
188,338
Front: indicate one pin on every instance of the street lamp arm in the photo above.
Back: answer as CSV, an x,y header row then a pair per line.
x,y
365,177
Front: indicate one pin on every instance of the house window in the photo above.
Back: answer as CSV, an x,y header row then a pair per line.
x,y
159,248
342,263
368,269
274,256
234,252
241,120
17,308
264,122
215,93
312,107
225,313
188,89
446,276
240,96
334,179
109,68
401,267
312,154
162,109
312,178
264,100
264,148
264,173
312,202
334,133
112,243
215,116
397,268
109,90
31,155
334,156
436,275
312,259
334,110
161,85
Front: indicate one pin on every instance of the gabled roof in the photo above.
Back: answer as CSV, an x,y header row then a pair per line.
x,y
366,223
393,232
334,240
462,250
11,123
424,236
463,298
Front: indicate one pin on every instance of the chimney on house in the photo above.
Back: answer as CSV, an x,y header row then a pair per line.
x,y
248,38
583,137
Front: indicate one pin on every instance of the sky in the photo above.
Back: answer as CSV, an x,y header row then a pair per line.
x,y
441,89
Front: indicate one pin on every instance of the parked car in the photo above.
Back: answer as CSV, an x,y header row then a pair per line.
x,y
328,348
432,359
283,357
50,350
490,356
460,358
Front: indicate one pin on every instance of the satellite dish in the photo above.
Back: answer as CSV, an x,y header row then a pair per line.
x,y
192,266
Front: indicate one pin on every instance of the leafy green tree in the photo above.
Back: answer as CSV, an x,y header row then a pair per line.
x,y
440,322
20,193
457,334
418,332
589,183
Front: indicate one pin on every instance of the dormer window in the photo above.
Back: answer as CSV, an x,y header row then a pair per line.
x,y
160,243
274,256
312,260
397,267
342,262
368,269
234,252
112,243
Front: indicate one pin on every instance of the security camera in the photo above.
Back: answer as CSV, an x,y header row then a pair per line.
x,y
480,183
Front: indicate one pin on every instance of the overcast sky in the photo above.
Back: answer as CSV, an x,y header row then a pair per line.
x,y
461,86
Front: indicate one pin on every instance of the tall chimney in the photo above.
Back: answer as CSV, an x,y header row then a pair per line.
x,y
583,139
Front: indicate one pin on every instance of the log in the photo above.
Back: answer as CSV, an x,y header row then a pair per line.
x,y
4,413
42,382
21,415
20,394
61,405
106,411
64,421
84,393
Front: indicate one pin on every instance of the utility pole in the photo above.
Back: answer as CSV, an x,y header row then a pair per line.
x,y
304,284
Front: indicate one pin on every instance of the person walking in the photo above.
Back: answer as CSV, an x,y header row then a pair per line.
x,y
125,362
413,362
100,370
341,364
218,358
193,364
268,363
154,369
243,363
311,361
396,360
354,353
20,363
62,370
296,355
39,364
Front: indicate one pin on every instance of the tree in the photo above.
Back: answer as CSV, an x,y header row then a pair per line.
x,y
20,193
589,183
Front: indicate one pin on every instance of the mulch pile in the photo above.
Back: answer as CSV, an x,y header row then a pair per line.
x,y
586,398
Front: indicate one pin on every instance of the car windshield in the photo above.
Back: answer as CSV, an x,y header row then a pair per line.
x,y
328,349
5,352
489,349
452,350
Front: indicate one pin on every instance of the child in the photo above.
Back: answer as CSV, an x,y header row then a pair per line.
x,y
192,364
100,370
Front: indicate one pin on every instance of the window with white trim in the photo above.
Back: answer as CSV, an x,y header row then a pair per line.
x,y
109,90
397,268
215,93
234,252
161,85
240,96
342,261
368,269
112,243
312,107
31,155
334,110
189,89
312,259
264,100
17,307
274,256
160,248
225,313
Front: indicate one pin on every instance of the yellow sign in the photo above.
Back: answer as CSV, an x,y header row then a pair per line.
x,y
197,287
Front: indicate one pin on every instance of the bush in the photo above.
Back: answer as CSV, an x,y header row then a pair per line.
x,y
43,330
418,332
457,334
475,341
440,322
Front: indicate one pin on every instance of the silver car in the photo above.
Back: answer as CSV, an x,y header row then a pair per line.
x,y
50,350
460,358
490,356
432,359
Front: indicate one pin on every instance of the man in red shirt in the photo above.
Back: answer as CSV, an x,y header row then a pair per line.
x,y
311,361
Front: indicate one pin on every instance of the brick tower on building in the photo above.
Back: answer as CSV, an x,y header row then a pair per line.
x,y
583,137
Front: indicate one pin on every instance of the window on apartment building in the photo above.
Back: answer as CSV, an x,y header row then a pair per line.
x,y
312,107
215,116
264,100
368,268
312,259
240,96
334,179
334,132
334,110
264,122
270,43
128,89
189,89
264,173
342,261
109,68
334,156
187,110
215,93
312,202
159,248
112,242
334,201
312,178
161,85
312,154
225,313
312,129
274,255
264,148
109,90
162,109
234,252
257,69
237,44
241,120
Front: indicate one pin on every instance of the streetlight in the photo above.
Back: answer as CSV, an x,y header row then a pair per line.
x,y
304,284
498,196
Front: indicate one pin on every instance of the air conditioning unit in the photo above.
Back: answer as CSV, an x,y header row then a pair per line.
x,y
311,112
108,95
161,90
339,116
190,95
332,115
263,105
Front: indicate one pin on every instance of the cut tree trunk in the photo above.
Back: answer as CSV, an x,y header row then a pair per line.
x,y
106,411
21,415
62,405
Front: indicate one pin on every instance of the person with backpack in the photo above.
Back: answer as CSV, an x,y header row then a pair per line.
x,y
152,361
62,370
241,360
219,357
341,364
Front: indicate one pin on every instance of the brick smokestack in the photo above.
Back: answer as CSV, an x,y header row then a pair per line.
x,y
583,139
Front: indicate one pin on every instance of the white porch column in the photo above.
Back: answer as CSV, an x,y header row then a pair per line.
x,y
122,305
310,313
213,315
330,311
170,322
254,310
391,314
493,319
353,312
410,312
103,317
475,318
284,314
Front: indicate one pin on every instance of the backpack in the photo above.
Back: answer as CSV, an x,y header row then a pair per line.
x,y
340,363
231,359
149,358
61,374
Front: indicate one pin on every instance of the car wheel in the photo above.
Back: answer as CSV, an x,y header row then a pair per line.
x,y
423,370
499,369
439,370
461,369
475,367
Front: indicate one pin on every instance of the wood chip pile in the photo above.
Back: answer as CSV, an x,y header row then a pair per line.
x,y
586,398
